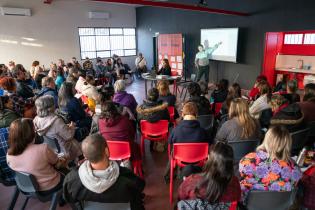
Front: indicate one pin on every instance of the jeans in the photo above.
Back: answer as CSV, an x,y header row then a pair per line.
x,y
203,70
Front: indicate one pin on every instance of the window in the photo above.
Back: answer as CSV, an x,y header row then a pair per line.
x,y
309,38
293,38
105,42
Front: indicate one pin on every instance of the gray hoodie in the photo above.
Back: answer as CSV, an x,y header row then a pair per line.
x,y
98,181
54,127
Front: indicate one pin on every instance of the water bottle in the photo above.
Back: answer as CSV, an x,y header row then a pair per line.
x,y
301,158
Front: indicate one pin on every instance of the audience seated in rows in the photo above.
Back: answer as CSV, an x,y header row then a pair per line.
x,y
234,92
3,70
254,92
202,103
281,85
99,179
307,184
221,91
262,102
270,168
48,88
107,94
217,182
124,98
188,130
308,104
48,124
22,89
36,72
60,78
166,96
22,107
291,117
7,174
36,159
100,68
73,110
85,88
7,114
119,68
291,94
241,125
88,66
152,109
114,126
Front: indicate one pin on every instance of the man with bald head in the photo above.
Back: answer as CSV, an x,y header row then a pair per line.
x,y
101,180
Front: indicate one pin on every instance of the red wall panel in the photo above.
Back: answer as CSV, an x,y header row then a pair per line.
x,y
170,46
273,42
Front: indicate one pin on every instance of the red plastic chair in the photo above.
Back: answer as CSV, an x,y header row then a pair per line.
x,y
187,153
120,150
157,131
233,205
217,108
171,110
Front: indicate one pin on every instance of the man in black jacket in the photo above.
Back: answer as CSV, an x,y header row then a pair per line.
x,y
100,180
22,89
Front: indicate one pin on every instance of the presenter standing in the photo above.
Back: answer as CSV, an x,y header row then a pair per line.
x,y
202,60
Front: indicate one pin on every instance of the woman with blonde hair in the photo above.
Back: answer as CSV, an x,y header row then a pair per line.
x,y
270,168
241,125
166,96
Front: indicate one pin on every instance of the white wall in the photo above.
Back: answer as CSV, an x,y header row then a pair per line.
x,y
55,27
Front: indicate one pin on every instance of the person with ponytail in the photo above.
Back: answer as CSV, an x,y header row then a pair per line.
x,y
241,125
217,183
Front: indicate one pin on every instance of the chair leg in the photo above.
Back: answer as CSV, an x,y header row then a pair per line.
x,y
171,181
14,198
142,146
25,203
54,200
138,168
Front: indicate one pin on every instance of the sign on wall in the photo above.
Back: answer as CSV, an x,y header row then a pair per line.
x,y
170,46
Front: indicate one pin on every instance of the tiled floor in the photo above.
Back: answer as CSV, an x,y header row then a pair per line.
x,y
157,192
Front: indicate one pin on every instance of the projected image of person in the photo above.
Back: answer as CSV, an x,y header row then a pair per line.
x,y
202,59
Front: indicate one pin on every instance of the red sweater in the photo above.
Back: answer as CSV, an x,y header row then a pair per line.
x,y
120,129
186,190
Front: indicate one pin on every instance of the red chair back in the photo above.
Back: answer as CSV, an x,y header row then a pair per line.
x,y
154,131
171,111
186,153
119,150
217,108
190,152
174,73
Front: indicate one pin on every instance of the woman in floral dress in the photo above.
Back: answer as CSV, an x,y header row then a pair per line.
x,y
270,168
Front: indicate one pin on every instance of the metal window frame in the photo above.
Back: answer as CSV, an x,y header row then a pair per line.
x,y
110,50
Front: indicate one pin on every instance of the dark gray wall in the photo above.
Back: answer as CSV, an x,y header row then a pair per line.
x,y
266,15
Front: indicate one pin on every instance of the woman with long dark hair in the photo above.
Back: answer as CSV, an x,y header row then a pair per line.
x,y
166,68
72,107
217,182
115,126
